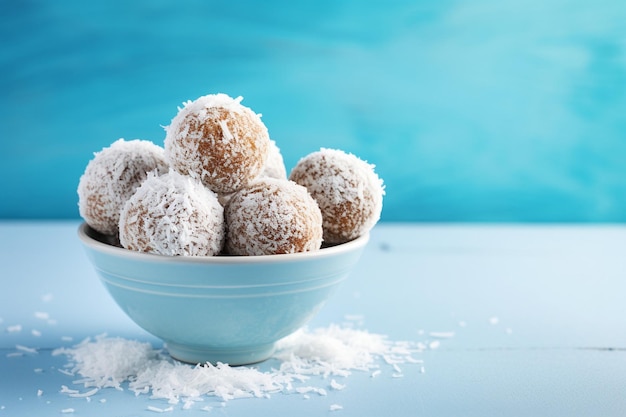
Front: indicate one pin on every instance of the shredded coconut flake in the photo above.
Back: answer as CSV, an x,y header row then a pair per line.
x,y
42,315
16,328
25,349
441,335
86,394
336,385
159,410
434,344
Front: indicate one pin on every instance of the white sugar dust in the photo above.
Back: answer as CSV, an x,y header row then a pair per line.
x,y
325,353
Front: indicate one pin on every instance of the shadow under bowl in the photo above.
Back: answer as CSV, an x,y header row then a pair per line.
x,y
228,309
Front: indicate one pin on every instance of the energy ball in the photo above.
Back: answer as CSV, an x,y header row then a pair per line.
x,y
173,215
112,177
272,216
218,141
274,168
347,190
274,165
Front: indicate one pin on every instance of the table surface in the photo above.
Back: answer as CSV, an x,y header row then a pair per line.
x,y
535,319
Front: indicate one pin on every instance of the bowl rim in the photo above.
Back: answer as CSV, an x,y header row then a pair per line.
x,y
104,248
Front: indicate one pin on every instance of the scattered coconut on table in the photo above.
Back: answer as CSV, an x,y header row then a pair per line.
x,y
330,353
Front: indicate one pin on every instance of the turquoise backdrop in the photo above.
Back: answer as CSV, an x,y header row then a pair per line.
x,y
492,110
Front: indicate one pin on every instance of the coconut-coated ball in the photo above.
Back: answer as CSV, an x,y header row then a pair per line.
x,y
218,141
173,215
272,216
347,190
274,168
111,177
274,165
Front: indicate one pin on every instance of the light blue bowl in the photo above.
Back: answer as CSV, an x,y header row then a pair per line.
x,y
229,309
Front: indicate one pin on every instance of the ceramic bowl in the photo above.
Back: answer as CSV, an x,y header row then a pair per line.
x,y
229,309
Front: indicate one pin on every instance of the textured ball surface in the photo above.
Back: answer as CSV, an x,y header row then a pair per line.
x,y
272,216
274,165
173,215
112,177
218,141
274,168
347,190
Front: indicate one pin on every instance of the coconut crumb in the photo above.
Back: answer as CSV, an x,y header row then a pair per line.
x,y
159,410
42,315
434,344
26,349
336,385
16,328
441,335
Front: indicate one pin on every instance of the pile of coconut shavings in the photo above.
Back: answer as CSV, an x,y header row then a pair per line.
x,y
327,352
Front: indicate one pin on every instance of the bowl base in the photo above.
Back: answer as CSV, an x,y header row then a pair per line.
x,y
245,355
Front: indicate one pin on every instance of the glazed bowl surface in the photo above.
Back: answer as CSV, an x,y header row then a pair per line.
x,y
228,309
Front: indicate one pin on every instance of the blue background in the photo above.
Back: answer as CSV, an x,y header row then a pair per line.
x,y
507,111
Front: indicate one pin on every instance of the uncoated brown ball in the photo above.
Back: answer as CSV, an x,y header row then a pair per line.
x,y
272,216
218,141
347,190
